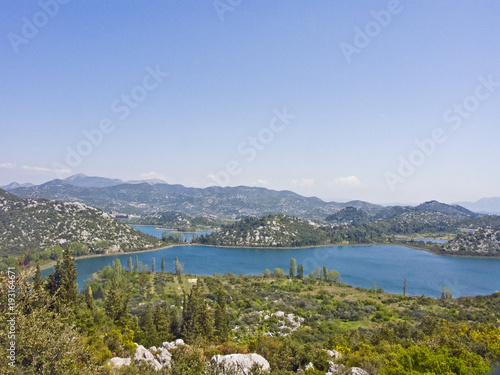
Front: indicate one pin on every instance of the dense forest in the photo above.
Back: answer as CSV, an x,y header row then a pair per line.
x,y
289,321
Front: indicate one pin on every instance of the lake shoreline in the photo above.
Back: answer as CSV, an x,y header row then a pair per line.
x,y
53,262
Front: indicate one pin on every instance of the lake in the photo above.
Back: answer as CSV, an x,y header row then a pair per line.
x,y
387,265
157,232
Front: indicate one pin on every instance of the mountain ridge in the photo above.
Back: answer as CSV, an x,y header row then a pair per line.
x,y
143,197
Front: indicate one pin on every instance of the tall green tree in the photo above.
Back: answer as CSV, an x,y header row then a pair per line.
x,y
221,319
324,273
162,264
300,271
149,335
37,279
136,262
129,264
293,268
117,269
113,301
62,283
178,267
153,264
198,323
162,323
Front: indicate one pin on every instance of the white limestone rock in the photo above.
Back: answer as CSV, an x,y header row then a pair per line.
x,y
310,366
356,371
243,363
119,362
334,354
335,368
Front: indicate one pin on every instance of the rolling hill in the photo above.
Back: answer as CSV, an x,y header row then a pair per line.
x,y
34,224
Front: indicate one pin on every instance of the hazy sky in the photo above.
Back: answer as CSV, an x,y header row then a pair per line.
x,y
383,101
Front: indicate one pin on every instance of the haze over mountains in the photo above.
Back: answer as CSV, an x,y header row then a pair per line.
x,y
142,197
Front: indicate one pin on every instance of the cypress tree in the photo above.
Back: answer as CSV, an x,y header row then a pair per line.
x,y
153,264
198,323
300,271
117,269
54,279
37,279
162,264
221,318
136,262
129,264
178,267
162,323
149,337
324,273
62,283
293,268
113,301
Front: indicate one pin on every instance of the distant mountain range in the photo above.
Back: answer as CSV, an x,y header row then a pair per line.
x,y
84,181
484,205
146,197
153,196
14,185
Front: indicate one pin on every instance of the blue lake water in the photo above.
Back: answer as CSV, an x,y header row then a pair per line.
x,y
157,232
387,265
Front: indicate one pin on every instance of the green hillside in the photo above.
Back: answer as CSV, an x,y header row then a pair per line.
x,y
38,226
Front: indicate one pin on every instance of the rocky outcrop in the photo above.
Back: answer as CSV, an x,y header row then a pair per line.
x,y
241,363
157,358
119,362
336,369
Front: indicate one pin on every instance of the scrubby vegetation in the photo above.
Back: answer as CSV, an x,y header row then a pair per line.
x,y
177,221
394,225
291,320
39,229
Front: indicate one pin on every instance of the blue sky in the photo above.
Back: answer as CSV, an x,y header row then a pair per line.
x,y
182,91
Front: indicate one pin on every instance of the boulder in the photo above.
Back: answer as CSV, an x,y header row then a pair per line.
x,y
142,354
119,362
164,357
168,345
173,344
335,368
356,371
242,363
310,366
334,354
